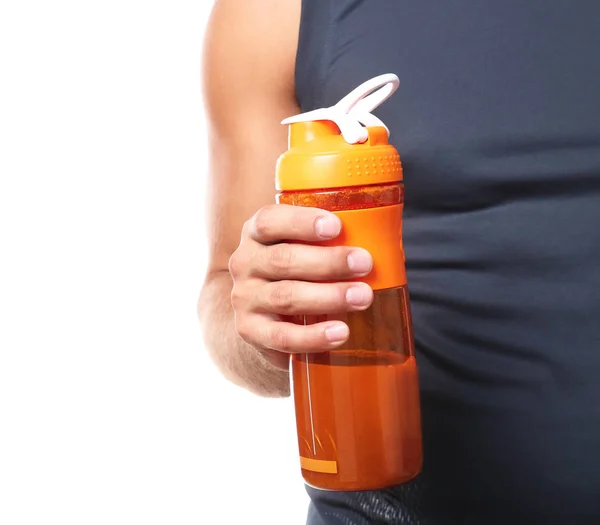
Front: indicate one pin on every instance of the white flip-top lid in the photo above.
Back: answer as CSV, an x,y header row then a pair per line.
x,y
353,112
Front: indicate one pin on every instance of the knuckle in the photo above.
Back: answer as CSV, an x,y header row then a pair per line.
x,y
247,228
234,263
281,297
237,297
262,221
280,259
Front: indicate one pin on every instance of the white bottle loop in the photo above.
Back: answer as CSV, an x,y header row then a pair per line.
x,y
354,111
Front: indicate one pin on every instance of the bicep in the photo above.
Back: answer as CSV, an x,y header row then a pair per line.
x,y
249,59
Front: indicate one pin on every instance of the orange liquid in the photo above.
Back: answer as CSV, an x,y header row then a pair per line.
x,y
357,408
358,411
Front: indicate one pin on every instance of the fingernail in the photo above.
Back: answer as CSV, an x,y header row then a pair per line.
x,y
328,226
359,261
359,295
337,333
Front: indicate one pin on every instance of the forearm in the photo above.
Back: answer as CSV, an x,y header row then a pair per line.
x,y
239,362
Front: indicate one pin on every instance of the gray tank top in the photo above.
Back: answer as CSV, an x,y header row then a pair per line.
x,y
497,121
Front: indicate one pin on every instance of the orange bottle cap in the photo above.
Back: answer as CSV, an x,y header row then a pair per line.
x,y
319,157
330,148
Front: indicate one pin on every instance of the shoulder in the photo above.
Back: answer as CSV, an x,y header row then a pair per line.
x,y
250,49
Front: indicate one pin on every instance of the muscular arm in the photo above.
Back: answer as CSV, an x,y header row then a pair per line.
x,y
249,60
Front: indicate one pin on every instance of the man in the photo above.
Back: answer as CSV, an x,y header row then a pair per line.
x,y
498,125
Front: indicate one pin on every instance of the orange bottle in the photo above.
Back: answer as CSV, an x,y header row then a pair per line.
x,y
357,407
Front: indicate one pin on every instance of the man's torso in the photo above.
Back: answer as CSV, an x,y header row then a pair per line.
x,y
497,121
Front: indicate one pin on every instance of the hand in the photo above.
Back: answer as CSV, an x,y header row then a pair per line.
x,y
274,279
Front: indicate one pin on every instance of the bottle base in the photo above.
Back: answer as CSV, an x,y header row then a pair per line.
x,y
358,419
361,487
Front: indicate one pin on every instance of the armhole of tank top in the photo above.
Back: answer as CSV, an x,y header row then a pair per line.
x,y
312,56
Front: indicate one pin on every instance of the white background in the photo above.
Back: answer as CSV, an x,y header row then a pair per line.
x,y
110,411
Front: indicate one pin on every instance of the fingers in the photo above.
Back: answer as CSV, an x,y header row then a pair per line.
x,y
273,277
264,332
264,253
302,298
280,222
302,262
